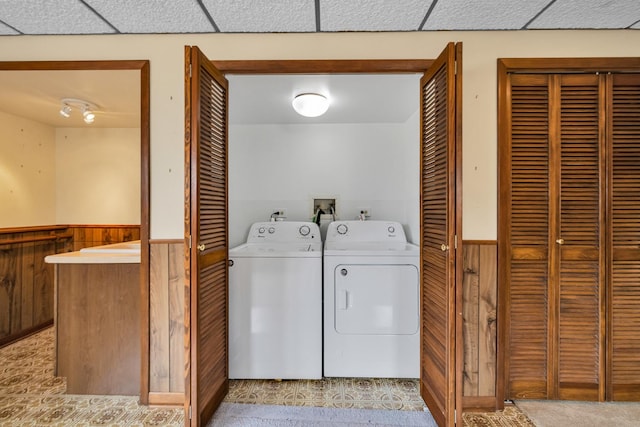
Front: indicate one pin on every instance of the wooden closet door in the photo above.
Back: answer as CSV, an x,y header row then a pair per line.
x,y
553,237
206,124
524,213
623,372
577,238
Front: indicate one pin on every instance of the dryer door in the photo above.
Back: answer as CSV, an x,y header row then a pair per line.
x,y
376,299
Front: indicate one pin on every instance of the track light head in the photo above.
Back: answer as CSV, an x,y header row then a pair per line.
x,y
88,115
87,108
65,111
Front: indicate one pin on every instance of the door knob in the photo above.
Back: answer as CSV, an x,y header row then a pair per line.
x,y
560,241
201,247
444,247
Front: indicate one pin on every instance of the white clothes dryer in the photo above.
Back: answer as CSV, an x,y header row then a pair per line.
x,y
275,302
371,301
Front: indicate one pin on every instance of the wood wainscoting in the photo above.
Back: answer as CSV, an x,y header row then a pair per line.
x,y
166,370
85,236
479,287
167,323
26,281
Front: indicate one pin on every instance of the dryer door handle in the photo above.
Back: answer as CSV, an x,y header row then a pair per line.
x,y
345,301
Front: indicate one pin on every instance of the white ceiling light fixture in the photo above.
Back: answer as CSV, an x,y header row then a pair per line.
x,y
310,104
86,107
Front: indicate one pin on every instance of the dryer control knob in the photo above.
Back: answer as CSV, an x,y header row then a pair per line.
x,y
342,229
272,230
261,230
391,229
304,230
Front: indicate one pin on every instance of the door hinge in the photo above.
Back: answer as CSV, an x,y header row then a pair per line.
x,y
455,67
189,70
455,416
189,412
455,241
189,241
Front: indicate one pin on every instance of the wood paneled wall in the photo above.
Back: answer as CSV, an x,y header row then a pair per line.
x,y
166,382
85,236
479,286
26,281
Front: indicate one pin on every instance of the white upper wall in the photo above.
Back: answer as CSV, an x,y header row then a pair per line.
x,y
481,50
27,172
273,167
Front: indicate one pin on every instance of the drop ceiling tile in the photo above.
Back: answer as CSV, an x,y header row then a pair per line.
x,y
589,14
482,15
261,16
165,16
52,17
372,15
6,30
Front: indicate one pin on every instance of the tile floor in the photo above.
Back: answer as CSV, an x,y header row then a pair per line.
x,y
31,396
360,393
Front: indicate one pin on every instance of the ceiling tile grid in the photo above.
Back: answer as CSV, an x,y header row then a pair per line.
x,y
159,16
35,17
486,15
372,15
589,14
6,30
52,17
263,16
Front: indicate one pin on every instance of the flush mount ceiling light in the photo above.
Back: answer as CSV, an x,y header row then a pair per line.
x,y
87,109
310,104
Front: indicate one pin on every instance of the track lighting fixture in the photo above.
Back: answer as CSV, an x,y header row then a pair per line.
x,y
87,109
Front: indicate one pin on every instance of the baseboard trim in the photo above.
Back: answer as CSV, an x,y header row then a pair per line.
x,y
166,399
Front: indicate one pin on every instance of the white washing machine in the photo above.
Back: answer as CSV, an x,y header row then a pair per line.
x,y
371,301
275,302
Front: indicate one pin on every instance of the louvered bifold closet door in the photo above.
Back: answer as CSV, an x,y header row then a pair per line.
x,y
624,289
440,92
209,253
577,274
527,236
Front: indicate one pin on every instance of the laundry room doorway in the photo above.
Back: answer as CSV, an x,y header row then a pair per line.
x,y
207,227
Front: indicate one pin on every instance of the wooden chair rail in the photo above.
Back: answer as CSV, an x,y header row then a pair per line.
x,y
35,239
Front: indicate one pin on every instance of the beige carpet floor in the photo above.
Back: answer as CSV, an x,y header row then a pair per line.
x,y
545,413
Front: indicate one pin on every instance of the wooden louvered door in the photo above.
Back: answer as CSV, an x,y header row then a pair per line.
x,y
440,224
623,371
554,242
206,226
524,235
576,241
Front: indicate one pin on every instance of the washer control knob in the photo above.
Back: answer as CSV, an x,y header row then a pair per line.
x,y
272,230
261,230
304,230
391,229
342,229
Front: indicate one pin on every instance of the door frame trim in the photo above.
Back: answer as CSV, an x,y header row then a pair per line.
x,y
506,66
382,66
122,65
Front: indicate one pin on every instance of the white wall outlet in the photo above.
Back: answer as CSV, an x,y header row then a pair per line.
x,y
365,211
282,212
